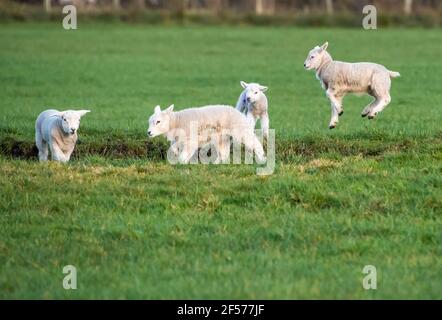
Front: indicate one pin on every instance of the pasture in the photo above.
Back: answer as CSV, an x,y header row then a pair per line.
x,y
135,226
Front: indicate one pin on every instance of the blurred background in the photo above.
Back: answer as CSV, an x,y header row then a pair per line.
x,y
426,13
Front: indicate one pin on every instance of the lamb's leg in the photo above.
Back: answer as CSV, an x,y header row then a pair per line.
x,y
174,147
382,103
173,152
336,98
224,149
187,153
252,144
213,147
336,108
265,124
57,154
251,119
340,105
380,87
369,107
69,153
42,147
334,117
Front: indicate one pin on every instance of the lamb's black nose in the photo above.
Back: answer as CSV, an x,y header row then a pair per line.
x,y
149,133
305,65
72,131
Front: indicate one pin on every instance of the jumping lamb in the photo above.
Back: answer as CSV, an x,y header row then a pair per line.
x,y
339,78
57,131
194,128
253,102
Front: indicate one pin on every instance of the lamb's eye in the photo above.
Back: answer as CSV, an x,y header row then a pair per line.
x,y
312,57
256,92
158,121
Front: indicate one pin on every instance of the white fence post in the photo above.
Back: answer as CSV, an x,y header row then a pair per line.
x,y
47,5
140,4
329,6
259,8
408,6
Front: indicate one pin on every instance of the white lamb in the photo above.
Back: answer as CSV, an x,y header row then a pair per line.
x,y
253,102
190,129
57,131
339,78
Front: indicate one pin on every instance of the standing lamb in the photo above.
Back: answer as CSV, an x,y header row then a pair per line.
x,y
58,131
253,102
189,129
339,78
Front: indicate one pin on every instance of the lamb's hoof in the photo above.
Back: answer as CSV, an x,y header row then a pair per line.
x,y
332,126
370,117
363,115
341,113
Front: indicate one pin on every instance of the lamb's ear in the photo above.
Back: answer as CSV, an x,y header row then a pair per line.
x,y
263,88
83,112
324,46
157,109
244,84
170,109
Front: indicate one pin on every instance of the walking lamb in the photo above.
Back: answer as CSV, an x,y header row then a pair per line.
x,y
253,102
57,130
189,129
339,78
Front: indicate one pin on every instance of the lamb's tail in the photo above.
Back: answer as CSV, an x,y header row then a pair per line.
x,y
394,74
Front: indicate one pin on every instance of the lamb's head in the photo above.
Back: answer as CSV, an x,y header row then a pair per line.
x,y
159,122
254,91
70,120
315,57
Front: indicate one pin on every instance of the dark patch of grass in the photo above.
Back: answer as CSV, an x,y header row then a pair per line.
x,y
308,147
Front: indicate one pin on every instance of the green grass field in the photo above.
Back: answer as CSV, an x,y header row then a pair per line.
x,y
366,193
